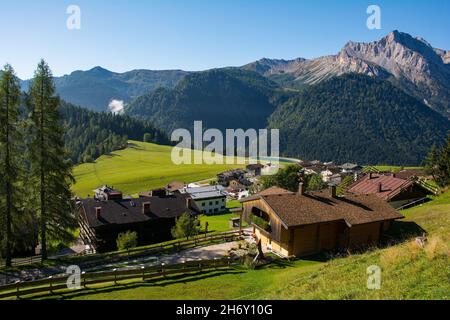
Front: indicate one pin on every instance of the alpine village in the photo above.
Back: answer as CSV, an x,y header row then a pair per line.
x,y
96,189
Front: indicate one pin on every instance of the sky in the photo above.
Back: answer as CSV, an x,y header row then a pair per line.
x,y
197,35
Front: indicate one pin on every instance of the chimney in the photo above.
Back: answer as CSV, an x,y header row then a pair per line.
x,y
380,188
301,189
98,212
333,192
188,203
146,208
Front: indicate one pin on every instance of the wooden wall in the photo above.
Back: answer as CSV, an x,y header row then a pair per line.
x,y
309,239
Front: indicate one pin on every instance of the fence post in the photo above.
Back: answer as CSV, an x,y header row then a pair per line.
x,y
18,289
115,276
229,261
215,263
184,266
162,269
83,277
200,264
51,284
143,273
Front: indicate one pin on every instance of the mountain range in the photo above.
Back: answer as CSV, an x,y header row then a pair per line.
x,y
385,101
96,88
411,64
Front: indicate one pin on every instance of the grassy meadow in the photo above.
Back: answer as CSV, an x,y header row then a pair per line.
x,y
140,167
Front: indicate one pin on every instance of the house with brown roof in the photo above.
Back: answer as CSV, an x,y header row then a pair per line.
x,y
389,187
300,223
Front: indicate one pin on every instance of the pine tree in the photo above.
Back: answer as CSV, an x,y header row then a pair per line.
x,y
50,173
9,154
186,226
431,162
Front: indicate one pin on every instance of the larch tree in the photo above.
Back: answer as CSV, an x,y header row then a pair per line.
x,y
50,170
10,139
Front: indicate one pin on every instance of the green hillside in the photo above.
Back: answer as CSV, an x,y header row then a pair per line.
x,y
140,167
408,272
91,134
222,98
356,118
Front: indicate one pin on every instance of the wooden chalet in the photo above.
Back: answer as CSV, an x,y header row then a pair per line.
x,y
391,188
102,219
296,224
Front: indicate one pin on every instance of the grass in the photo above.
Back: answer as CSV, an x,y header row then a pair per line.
x,y
408,271
218,223
387,168
140,167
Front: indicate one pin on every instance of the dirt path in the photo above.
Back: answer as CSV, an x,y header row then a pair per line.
x,y
207,252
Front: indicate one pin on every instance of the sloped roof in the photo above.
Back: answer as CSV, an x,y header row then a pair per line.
x,y
370,184
127,211
294,209
274,191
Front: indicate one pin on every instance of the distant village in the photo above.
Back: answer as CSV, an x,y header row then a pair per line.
x,y
284,222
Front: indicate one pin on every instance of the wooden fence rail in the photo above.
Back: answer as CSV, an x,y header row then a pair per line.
x,y
158,248
52,284
143,251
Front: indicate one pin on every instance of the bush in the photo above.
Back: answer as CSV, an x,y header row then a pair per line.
x,y
186,226
127,240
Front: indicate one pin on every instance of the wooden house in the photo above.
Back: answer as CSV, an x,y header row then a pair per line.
x,y
102,220
296,224
391,188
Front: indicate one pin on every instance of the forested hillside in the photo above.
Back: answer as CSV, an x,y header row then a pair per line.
x,y
221,98
358,118
90,134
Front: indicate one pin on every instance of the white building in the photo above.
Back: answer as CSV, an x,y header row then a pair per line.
x,y
209,199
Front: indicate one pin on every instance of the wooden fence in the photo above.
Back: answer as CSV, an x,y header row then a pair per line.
x,y
163,247
141,251
52,284
23,261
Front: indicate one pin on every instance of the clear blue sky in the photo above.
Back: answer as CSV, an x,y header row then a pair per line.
x,y
199,34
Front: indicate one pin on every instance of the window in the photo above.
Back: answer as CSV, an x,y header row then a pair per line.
x,y
203,204
210,203
217,202
223,200
216,210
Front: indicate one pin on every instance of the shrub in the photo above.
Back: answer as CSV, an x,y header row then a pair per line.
x,y
127,240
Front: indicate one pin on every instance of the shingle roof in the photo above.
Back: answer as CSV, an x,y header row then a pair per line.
x,y
127,211
274,191
370,184
295,210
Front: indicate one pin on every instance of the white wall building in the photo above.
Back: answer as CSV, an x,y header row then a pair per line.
x,y
209,199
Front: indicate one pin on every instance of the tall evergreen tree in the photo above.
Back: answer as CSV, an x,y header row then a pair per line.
x,y
51,172
10,155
